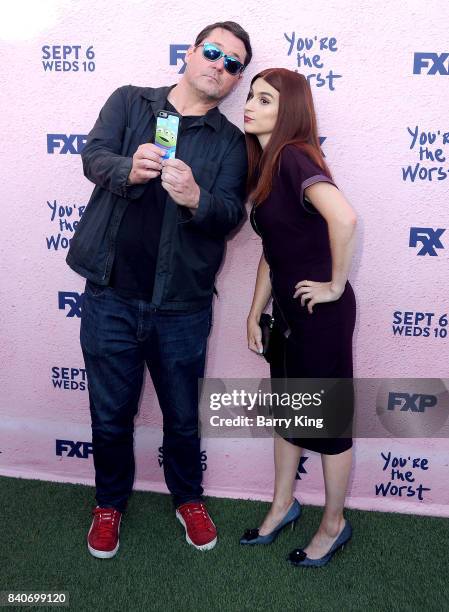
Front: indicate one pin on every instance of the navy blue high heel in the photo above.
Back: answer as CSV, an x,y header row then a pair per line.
x,y
300,559
251,536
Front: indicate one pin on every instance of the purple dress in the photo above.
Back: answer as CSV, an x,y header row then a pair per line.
x,y
296,246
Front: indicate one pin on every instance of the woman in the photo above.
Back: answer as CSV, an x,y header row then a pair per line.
x,y
307,230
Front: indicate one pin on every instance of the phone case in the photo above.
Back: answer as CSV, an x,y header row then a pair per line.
x,y
167,126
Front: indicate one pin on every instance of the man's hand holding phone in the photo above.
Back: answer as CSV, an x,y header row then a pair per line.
x,y
178,181
147,164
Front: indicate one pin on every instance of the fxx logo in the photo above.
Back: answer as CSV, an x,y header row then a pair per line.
x,y
66,143
301,469
412,402
69,448
178,52
72,300
431,63
428,237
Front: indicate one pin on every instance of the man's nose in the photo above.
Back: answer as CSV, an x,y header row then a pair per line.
x,y
219,64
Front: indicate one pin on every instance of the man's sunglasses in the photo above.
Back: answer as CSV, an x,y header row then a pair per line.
x,y
213,53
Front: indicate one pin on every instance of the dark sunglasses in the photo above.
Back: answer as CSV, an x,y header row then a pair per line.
x,y
213,53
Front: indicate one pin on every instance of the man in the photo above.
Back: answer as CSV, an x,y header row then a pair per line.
x,y
149,244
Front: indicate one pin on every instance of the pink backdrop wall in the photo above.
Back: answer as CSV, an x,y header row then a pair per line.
x,y
369,102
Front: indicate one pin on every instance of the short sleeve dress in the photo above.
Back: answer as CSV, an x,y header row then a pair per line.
x,y
296,247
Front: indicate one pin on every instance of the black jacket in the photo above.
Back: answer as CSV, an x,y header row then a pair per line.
x,y
191,246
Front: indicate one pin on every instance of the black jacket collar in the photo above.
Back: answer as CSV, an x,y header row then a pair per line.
x,y
158,97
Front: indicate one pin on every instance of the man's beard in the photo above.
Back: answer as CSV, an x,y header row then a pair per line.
x,y
212,94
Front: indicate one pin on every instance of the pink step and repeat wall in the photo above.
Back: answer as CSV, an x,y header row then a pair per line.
x,y
379,73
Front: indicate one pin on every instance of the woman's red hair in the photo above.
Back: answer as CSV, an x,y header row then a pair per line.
x,y
296,124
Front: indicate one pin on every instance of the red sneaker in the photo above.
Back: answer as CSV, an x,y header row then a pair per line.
x,y
200,529
102,539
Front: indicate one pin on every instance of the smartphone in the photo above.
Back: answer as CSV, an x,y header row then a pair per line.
x,y
167,126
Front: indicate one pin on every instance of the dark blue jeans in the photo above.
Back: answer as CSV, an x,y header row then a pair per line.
x,y
118,336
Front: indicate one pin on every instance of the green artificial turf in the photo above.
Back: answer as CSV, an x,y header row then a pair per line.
x,y
393,562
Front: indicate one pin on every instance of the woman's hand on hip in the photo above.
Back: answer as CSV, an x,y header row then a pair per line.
x,y
316,293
